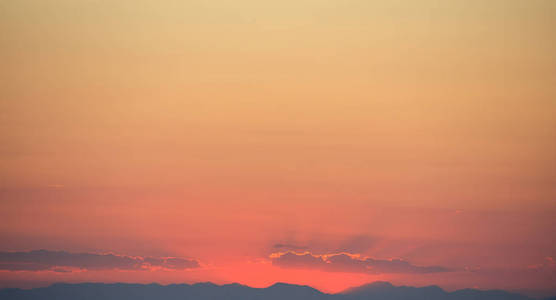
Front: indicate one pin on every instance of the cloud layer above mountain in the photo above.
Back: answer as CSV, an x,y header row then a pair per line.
x,y
62,261
345,262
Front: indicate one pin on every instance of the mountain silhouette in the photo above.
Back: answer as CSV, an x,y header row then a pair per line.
x,y
386,291
278,291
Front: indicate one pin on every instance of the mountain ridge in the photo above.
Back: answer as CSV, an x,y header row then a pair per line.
x,y
380,290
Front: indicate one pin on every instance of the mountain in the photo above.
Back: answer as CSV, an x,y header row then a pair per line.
x,y
278,291
386,291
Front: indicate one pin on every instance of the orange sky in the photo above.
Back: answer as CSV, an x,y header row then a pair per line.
x,y
226,131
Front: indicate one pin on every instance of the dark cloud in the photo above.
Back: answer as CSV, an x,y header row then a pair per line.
x,y
179,263
329,244
289,247
357,244
39,260
23,266
343,262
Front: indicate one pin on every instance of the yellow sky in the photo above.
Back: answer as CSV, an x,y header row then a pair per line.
x,y
97,93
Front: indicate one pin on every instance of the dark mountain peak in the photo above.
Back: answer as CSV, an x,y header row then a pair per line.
x,y
234,291
286,285
373,286
281,284
234,284
433,288
379,284
291,286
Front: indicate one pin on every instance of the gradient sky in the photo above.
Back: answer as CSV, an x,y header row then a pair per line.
x,y
322,142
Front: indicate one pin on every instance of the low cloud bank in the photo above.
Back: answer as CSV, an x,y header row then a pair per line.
x,y
345,262
60,261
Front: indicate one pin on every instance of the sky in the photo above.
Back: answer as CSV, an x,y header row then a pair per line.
x,y
320,142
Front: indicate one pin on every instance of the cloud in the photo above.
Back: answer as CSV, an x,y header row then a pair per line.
x,y
289,247
41,260
346,262
548,264
330,244
358,244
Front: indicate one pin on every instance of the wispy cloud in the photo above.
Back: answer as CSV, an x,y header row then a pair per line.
x,y
347,262
40,260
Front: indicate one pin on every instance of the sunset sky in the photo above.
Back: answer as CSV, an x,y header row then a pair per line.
x,y
322,142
